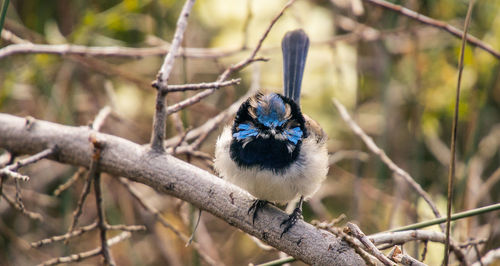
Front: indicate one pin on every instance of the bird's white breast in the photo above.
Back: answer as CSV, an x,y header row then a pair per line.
x,y
302,177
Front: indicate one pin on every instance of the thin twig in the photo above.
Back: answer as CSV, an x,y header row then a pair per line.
x,y
435,23
157,215
353,242
76,232
202,86
14,175
101,117
15,205
356,232
83,196
21,46
404,259
9,170
77,175
451,172
128,228
30,160
383,156
87,254
84,229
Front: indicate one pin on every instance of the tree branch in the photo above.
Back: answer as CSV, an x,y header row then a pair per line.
x,y
169,175
435,23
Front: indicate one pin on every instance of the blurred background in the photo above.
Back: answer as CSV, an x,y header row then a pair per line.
x,y
396,76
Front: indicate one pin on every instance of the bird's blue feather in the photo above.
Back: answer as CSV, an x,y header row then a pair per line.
x,y
294,134
271,114
246,130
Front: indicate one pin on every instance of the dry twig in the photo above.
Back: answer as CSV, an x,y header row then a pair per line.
x,y
77,175
157,215
201,86
435,23
400,257
376,150
356,232
87,254
9,170
66,236
17,206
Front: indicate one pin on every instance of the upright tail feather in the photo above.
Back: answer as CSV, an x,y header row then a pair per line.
x,y
294,45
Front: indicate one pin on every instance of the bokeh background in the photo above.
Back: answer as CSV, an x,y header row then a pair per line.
x,y
396,76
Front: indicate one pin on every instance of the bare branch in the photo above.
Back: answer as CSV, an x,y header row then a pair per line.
x,y
157,215
17,206
201,86
21,46
400,257
398,238
84,229
128,228
14,175
76,232
83,196
169,175
77,175
101,117
435,23
87,254
376,150
9,170
356,232
159,122
30,160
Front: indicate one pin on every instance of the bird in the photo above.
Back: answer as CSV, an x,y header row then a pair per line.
x,y
273,150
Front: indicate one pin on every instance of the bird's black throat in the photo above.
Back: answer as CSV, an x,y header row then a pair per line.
x,y
267,152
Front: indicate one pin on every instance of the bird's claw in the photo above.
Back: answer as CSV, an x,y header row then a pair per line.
x,y
291,220
256,206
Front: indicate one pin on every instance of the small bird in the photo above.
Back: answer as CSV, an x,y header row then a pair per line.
x,y
272,149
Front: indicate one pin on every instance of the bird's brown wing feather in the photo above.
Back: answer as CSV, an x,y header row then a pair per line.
x,y
315,129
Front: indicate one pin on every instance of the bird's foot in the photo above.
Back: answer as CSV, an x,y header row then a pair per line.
x,y
257,206
291,220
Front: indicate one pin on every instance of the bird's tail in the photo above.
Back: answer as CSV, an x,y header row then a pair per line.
x,y
294,45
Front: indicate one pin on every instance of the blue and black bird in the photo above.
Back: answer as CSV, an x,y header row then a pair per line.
x,y
272,149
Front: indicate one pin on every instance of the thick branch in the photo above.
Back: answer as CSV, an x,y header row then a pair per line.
x,y
167,174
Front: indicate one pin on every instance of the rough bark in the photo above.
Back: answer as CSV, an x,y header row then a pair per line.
x,y
172,176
